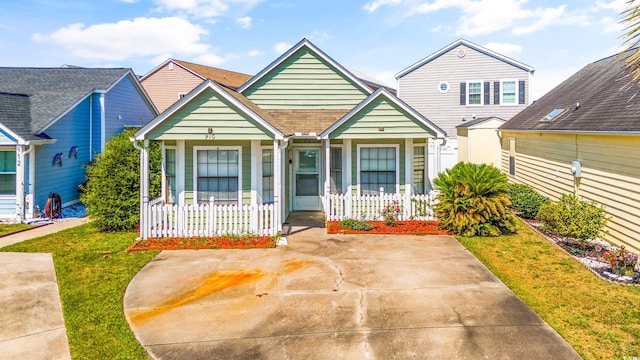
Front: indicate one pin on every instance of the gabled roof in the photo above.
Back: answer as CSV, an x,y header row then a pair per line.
x,y
383,92
224,77
468,44
305,43
238,100
52,92
15,114
478,121
602,97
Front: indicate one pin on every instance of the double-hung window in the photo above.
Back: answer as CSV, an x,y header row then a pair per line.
x,y
267,175
218,175
378,168
7,172
474,93
170,173
509,93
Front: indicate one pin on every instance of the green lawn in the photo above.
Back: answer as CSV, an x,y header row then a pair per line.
x,y
8,229
601,320
93,272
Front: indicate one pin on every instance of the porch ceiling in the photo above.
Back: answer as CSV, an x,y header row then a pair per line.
x,y
290,121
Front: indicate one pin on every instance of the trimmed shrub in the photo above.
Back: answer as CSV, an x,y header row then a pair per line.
x,y
473,201
525,201
572,217
112,192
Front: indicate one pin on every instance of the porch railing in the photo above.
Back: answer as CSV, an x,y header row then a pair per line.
x,y
209,219
369,207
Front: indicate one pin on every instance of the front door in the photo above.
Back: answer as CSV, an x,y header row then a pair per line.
x,y
306,178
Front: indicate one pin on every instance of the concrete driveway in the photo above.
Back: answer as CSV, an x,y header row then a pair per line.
x,y
334,297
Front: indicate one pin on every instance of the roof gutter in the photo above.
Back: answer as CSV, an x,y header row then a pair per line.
x,y
573,132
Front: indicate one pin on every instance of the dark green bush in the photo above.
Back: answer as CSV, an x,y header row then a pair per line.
x,y
572,217
525,200
473,201
356,224
112,193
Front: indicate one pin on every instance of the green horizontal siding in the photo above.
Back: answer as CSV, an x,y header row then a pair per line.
x,y
382,119
305,81
209,110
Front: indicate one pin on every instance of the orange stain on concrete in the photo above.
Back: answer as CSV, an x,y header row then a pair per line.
x,y
293,265
212,283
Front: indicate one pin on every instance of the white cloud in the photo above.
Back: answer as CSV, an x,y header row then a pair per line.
x,y
504,48
281,47
244,22
319,36
205,8
372,6
254,53
210,59
129,38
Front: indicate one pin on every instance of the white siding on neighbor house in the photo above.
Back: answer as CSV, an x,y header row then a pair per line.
x,y
610,174
164,85
419,88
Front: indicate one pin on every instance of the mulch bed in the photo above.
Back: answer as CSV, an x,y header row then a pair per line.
x,y
589,253
219,242
410,227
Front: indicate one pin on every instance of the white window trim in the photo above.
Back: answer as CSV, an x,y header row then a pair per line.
x,y
440,87
515,103
481,92
15,173
380,146
425,170
344,175
195,168
164,185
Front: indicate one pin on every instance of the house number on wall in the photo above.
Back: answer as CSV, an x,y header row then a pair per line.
x,y
209,135
18,157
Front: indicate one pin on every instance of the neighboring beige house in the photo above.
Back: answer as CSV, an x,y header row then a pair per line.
x,y
461,82
173,79
479,142
584,137
304,134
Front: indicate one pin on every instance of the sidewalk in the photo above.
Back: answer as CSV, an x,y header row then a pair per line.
x,y
30,308
41,231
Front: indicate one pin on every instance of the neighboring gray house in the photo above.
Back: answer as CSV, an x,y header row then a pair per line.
x,y
461,82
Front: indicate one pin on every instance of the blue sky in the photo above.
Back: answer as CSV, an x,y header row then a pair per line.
x,y
376,37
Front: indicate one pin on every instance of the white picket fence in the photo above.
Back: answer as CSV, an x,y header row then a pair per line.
x,y
369,207
209,219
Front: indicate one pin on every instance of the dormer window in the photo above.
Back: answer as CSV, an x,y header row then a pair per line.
x,y
552,115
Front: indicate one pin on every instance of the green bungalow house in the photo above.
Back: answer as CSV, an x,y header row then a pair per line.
x,y
304,134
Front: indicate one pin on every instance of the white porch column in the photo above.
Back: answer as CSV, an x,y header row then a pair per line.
x,y
408,177
256,157
103,122
31,186
277,186
327,174
180,169
144,189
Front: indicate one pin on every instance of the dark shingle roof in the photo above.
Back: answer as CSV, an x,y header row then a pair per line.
x,y
15,113
52,91
476,121
602,97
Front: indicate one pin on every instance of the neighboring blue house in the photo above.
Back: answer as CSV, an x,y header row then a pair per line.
x,y
52,123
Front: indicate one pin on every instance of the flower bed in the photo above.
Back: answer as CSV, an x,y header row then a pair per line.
x,y
410,227
219,242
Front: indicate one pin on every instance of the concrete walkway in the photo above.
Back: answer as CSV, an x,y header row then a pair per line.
x,y
32,325
334,297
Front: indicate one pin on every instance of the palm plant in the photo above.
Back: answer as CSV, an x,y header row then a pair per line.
x,y
473,201
631,22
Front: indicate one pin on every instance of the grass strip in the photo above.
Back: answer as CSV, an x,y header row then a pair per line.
x,y
93,271
601,320
8,229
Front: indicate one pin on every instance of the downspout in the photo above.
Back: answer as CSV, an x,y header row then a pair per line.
x,y
144,186
22,195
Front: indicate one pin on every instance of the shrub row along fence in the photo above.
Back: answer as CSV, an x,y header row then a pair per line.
x,y
369,207
209,219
